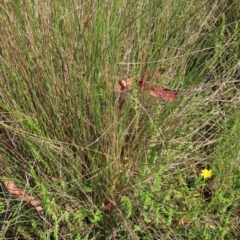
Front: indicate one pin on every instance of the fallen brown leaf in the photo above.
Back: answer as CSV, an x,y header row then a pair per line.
x,y
143,79
158,92
109,207
13,189
123,85
163,93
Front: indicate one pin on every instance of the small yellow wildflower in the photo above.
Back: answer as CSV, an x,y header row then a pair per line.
x,y
206,173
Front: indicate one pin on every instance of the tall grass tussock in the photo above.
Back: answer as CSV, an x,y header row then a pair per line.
x,y
79,160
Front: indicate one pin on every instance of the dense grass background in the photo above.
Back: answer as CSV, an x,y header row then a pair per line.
x,y
68,140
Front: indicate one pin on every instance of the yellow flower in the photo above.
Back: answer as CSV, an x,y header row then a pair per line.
x,y
206,173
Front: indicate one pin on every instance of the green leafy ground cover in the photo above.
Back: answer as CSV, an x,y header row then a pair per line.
x,y
102,171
